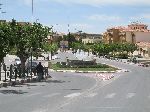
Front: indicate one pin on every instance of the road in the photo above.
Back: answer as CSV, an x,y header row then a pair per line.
x,y
70,92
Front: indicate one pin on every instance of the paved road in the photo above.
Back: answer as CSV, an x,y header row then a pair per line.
x,y
69,92
44,96
128,93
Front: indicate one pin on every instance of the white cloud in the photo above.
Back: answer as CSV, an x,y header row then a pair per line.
x,y
105,2
94,2
103,17
140,17
29,2
73,27
146,16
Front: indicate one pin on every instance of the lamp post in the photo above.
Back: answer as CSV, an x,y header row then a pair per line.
x,y
2,12
31,62
51,42
37,20
31,47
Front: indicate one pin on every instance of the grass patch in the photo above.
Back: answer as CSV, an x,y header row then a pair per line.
x,y
106,68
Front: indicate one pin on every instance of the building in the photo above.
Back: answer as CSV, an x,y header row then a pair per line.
x,y
133,33
55,37
92,38
87,38
144,49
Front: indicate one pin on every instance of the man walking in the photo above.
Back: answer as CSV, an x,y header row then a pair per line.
x,y
40,72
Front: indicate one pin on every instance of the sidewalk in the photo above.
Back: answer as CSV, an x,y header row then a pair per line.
x,y
20,81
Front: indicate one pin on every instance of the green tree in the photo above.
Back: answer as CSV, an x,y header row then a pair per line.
x,y
28,38
6,42
50,47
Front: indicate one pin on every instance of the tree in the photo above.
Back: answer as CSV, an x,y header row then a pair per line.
x,y
5,41
50,47
70,38
28,38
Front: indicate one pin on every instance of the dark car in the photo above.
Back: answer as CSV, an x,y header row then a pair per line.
x,y
28,66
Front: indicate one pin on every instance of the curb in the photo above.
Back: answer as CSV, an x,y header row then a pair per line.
x,y
76,71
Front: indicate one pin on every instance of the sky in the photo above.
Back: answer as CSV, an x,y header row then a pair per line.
x,y
90,16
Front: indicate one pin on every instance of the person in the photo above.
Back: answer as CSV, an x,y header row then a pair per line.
x,y
40,72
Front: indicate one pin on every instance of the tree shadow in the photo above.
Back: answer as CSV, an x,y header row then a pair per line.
x,y
55,81
30,85
73,89
17,86
12,92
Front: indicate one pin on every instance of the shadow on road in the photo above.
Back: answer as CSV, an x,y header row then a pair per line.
x,y
31,85
55,81
73,89
12,92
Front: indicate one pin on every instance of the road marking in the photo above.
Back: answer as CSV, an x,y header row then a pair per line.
x,y
72,95
51,95
91,95
130,95
110,95
106,107
34,94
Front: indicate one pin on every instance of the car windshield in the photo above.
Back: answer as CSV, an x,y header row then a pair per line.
x,y
33,64
17,59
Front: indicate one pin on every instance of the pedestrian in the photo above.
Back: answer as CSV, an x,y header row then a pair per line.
x,y
40,72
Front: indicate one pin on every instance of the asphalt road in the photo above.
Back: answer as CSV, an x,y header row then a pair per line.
x,y
70,92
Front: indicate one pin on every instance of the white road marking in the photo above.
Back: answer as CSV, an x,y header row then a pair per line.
x,y
72,95
130,95
106,107
91,95
51,95
34,94
110,95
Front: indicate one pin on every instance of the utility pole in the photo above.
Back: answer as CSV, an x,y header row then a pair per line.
x,y
31,50
69,43
2,12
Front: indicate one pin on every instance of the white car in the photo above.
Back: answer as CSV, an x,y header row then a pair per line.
x,y
17,61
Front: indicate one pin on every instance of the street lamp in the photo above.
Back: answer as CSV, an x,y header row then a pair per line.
x,y
31,62
37,20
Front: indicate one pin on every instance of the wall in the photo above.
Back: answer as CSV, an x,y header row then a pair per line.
x,y
142,36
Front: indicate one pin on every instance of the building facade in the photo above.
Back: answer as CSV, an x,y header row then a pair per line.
x,y
133,33
87,38
92,38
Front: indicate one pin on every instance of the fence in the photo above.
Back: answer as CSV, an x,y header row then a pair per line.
x,y
9,73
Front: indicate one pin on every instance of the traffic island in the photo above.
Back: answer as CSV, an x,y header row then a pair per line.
x,y
86,68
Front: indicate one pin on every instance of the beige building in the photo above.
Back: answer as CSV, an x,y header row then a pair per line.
x,y
55,37
144,49
87,38
92,38
135,32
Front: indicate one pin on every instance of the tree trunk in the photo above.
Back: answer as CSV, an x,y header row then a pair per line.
x,y
0,70
23,60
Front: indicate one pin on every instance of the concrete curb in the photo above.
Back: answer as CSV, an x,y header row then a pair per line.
x,y
76,71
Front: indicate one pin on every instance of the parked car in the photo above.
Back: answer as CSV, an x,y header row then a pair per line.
x,y
28,65
17,61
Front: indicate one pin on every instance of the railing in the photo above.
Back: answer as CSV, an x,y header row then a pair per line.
x,y
11,72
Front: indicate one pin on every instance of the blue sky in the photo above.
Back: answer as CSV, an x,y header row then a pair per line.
x,y
91,16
